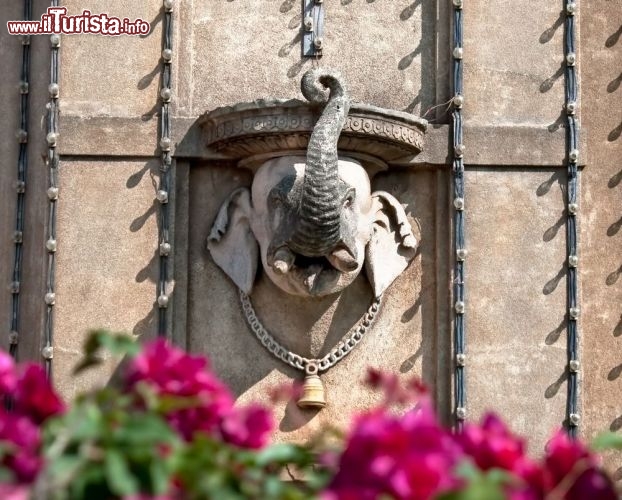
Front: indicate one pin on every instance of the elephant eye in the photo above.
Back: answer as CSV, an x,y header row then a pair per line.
x,y
347,203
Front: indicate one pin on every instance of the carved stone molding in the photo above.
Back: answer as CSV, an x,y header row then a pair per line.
x,y
266,126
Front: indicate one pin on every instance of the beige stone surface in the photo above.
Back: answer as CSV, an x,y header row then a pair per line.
x,y
311,327
393,54
385,50
512,62
601,217
112,75
516,298
106,260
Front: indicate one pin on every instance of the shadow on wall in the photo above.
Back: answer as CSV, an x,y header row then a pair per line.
x,y
424,100
150,271
558,177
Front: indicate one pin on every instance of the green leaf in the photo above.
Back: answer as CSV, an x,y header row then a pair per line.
x,y
119,344
607,441
120,479
281,454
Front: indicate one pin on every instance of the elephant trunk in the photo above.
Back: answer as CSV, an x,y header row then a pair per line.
x,y
319,211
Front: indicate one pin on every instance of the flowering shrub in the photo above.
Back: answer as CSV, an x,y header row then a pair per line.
x,y
168,430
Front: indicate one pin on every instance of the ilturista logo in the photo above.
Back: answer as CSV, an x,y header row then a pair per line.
x,y
56,21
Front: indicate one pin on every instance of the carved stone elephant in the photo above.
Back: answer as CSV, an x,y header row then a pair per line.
x,y
313,221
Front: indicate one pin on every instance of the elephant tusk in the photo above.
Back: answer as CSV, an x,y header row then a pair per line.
x,y
280,266
283,260
342,260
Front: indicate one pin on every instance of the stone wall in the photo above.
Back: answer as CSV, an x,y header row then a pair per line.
x,y
393,54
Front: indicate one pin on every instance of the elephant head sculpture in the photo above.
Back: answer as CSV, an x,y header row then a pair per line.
x,y
314,222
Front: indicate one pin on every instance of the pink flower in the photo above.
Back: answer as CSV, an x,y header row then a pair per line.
x,y
492,445
34,395
8,377
173,372
14,492
573,471
247,427
407,457
21,439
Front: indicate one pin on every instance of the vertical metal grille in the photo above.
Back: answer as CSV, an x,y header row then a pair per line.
x,y
53,161
572,145
459,243
164,189
20,186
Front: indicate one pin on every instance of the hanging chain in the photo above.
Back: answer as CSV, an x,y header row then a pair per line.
x,y
336,354
572,145
20,186
164,194
459,243
53,162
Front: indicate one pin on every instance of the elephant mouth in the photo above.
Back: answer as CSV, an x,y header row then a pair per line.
x,y
313,272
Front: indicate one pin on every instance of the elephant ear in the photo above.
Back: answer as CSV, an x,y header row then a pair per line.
x,y
232,243
392,245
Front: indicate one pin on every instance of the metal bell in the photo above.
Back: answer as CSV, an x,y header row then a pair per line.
x,y
313,396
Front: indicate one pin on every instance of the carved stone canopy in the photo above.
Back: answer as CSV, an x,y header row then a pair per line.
x,y
251,133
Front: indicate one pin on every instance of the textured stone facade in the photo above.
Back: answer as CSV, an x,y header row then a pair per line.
x,y
394,54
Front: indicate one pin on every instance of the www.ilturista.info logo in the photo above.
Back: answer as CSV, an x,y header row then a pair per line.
x,y
57,21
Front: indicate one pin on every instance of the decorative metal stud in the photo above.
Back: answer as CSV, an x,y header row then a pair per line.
x,y
55,40
318,43
50,298
461,254
571,107
165,249
574,312
574,419
457,4
163,301
22,136
460,359
23,87
573,155
51,139
18,237
459,203
573,208
166,143
458,53
458,100
459,307
308,23
166,93
162,196
14,287
20,187
52,193
47,352
13,337
459,150
168,5
54,90
571,59
461,413
167,55
51,245
571,8
573,261
574,366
